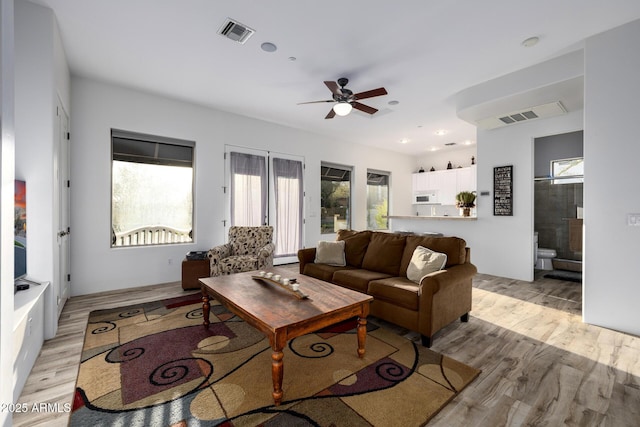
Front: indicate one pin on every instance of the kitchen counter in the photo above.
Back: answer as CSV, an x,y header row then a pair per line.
x,y
436,217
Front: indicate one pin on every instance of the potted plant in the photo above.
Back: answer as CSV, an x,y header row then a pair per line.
x,y
465,200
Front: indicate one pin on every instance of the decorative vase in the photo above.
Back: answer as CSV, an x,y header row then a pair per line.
x,y
466,211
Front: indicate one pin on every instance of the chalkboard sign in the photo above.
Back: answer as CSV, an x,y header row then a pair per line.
x,y
503,191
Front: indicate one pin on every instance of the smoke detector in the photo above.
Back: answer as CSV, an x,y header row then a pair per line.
x,y
538,112
235,31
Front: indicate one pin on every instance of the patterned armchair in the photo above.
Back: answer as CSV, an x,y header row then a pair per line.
x,y
249,248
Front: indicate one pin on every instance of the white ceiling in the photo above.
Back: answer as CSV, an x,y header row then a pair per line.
x,y
422,52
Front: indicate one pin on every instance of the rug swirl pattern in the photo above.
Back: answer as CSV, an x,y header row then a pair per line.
x,y
155,364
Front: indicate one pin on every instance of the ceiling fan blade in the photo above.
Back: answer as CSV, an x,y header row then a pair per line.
x,y
331,114
333,87
370,93
316,102
364,108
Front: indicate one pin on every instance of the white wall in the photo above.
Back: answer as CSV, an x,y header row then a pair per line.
x,y
502,246
6,205
612,91
42,77
439,159
98,107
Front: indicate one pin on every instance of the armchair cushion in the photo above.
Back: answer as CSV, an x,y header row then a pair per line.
x,y
249,248
238,264
249,240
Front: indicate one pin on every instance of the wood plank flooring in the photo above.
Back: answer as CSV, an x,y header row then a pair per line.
x,y
541,366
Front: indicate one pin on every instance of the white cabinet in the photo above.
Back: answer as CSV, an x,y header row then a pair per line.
x,y
447,183
422,182
466,179
448,187
31,316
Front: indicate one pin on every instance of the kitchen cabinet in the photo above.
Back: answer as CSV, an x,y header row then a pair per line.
x,y
421,182
466,179
448,186
447,183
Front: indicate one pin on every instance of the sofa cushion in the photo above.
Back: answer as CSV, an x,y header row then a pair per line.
x,y
322,271
396,290
356,243
384,253
424,261
357,279
454,247
331,253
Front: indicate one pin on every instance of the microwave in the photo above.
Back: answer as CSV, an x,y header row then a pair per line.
x,y
425,198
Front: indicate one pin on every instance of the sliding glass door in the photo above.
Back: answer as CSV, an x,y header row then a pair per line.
x,y
267,188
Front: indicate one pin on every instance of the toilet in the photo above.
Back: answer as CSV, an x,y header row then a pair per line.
x,y
543,256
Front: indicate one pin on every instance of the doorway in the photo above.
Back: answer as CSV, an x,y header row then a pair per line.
x,y
558,201
61,200
267,188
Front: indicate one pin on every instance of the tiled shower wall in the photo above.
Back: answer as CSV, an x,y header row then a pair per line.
x,y
555,204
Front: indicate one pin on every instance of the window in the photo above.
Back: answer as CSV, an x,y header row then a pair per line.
x,y
248,189
335,198
377,200
568,171
151,189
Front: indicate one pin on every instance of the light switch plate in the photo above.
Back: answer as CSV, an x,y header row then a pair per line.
x,y
633,219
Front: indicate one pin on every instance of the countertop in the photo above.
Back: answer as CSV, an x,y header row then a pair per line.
x,y
437,217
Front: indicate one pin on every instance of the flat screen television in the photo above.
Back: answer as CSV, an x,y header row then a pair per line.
x,y
20,230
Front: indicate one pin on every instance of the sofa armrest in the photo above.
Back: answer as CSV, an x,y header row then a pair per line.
x,y
445,296
306,256
216,254
265,256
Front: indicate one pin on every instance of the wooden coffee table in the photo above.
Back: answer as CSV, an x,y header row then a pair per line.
x,y
280,315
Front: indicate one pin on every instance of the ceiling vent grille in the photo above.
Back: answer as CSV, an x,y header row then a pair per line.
x,y
539,112
235,31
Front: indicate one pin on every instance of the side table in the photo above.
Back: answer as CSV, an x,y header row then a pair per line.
x,y
192,270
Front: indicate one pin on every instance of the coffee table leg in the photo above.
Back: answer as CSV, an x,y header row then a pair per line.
x,y
362,335
205,309
277,372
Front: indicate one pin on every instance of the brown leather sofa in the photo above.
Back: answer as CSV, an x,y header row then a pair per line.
x,y
376,264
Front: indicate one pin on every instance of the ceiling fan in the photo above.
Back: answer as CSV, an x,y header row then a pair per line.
x,y
346,100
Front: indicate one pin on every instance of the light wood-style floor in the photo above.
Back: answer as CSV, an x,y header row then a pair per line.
x,y
540,364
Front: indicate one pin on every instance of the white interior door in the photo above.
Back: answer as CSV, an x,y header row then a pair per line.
x,y
62,200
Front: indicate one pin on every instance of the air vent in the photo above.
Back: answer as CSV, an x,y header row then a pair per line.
x,y
538,112
449,144
235,31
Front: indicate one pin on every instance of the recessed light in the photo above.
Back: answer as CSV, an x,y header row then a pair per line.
x,y
468,142
394,102
292,58
441,132
434,148
404,141
531,41
268,47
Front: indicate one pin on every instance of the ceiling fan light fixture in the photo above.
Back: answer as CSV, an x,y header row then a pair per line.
x,y
342,108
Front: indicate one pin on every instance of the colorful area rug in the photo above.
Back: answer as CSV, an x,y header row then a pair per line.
x,y
154,364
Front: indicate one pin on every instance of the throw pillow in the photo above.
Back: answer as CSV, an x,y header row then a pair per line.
x,y
424,261
331,253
